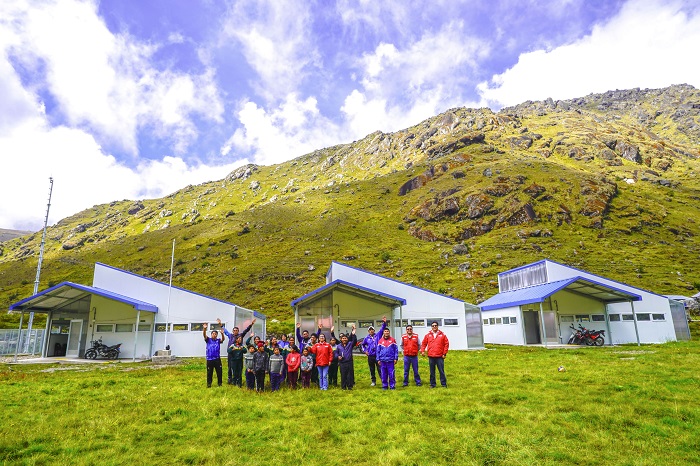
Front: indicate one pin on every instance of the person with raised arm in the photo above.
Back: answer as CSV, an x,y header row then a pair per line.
x,y
213,353
369,346
344,356
231,340
303,338
387,357
324,355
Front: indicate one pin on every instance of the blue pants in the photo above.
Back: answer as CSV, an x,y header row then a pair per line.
x,y
411,362
323,377
275,381
387,371
440,363
250,380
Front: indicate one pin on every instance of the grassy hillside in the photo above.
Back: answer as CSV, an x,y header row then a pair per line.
x,y
608,183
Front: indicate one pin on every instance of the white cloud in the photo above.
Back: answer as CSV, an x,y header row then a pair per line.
x,y
293,128
276,42
103,80
649,44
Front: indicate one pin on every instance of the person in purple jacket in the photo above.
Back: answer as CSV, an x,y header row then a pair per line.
x,y
303,338
343,353
213,353
369,346
387,356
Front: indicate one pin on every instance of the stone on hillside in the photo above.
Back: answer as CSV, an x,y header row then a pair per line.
x,y
254,185
135,207
522,215
458,174
242,173
499,189
488,172
534,190
399,273
165,213
450,146
463,267
477,205
311,268
523,142
460,249
628,152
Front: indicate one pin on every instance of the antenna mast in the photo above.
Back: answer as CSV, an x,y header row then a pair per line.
x,y
38,268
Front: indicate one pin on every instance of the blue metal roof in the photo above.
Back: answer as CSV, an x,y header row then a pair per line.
x,y
346,286
66,292
578,285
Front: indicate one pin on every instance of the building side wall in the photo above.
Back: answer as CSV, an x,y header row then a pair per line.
x,y
503,334
419,303
107,312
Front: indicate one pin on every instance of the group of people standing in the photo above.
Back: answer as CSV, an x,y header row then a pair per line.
x,y
317,361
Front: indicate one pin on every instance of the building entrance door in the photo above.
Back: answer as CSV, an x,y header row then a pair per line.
x,y
74,335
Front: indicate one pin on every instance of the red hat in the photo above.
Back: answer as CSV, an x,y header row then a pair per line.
x,y
260,344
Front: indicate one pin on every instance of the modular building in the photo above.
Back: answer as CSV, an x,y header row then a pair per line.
x,y
540,302
355,296
142,314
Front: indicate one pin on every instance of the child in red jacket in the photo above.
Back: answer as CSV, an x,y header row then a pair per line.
x,y
293,363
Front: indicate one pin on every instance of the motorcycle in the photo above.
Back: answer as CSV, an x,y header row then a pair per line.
x,y
576,337
582,335
100,349
595,338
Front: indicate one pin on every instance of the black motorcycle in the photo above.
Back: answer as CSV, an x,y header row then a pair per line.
x,y
100,349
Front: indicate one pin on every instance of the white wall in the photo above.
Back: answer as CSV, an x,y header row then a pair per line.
x,y
420,303
510,334
185,307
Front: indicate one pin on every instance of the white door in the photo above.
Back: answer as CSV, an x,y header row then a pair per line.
x,y
74,334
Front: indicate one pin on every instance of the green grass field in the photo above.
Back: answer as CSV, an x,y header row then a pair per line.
x,y
504,405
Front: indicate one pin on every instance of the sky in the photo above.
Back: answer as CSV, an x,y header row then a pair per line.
x,y
135,99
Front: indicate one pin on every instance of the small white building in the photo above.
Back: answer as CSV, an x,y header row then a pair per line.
x,y
539,302
356,296
142,314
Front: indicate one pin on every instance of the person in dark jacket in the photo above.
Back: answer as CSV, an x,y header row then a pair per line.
x,y
343,354
276,368
213,353
231,340
235,361
333,368
248,360
303,338
387,356
261,362
369,347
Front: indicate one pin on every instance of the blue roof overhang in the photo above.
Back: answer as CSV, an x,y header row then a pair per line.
x,y
576,285
65,293
350,288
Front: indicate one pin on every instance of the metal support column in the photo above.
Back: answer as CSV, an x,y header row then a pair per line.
x,y
47,335
544,330
136,333
636,329
19,335
607,324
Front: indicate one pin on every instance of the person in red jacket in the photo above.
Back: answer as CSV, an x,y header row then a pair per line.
x,y
410,343
324,356
437,345
293,362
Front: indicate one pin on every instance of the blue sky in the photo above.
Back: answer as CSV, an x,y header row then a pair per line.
x,y
133,99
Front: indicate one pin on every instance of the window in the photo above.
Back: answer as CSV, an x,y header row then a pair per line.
x,y
418,322
161,327
439,321
450,322
104,328
658,316
196,326
486,321
582,318
506,320
144,327
499,321
628,317
643,317
523,277
513,320
614,317
492,321
366,323
347,323
400,323
125,328
215,326
566,319
180,327
598,318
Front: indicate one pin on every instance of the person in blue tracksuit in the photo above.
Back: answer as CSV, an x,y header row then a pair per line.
x,y
369,347
343,354
387,356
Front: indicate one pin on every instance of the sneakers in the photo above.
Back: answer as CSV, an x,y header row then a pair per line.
x,y
373,384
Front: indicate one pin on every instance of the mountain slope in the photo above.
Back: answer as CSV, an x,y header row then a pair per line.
x,y
607,182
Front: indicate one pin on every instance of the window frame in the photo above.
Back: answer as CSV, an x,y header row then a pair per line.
x,y
98,330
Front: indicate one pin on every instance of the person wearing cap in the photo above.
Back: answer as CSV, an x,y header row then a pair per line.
x,y
261,363
343,353
213,353
387,357
232,365
369,347
437,345
410,344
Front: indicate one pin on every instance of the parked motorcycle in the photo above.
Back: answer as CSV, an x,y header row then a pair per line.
x,y
576,337
582,335
595,338
100,349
